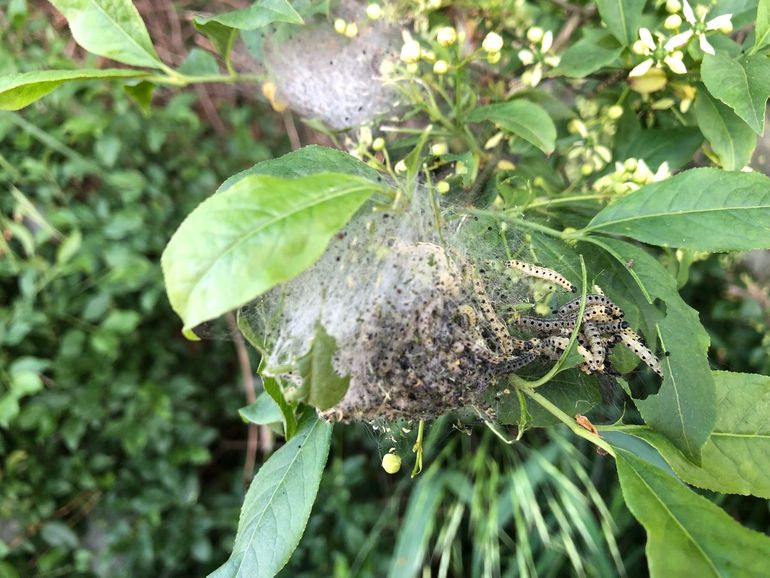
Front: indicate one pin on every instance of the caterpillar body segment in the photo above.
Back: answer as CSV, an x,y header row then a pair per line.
x,y
554,347
541,273
497,327
545,324
516,362
631,340
595,346
615,326
592,299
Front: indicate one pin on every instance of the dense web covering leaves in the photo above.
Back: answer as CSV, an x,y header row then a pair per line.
x,y
425,317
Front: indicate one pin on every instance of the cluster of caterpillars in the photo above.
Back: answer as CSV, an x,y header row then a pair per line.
x,y
601,328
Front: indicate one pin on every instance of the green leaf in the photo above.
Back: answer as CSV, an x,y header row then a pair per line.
x,y
199,63
703,209
417,526
261,231
264,411
19,90
743,85
221,36
684,409
141,93
736,457
732,140
309,160
260,14
762,25
595,50
110,28
622,18
521,118
278,503
322,386
687,535
675,146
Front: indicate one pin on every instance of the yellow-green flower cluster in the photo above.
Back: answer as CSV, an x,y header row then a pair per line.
x,y
538,54
629,176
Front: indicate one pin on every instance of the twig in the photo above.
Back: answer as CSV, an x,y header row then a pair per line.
x,y
291,130
247,375
577,16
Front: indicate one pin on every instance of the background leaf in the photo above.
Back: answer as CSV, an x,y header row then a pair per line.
x,y
731,139
278,503
762,25
687,535
261,13
521,118
322,387
110,28
684,407
19,90
702,209
263,411
675,146
736,457
622,18
743,85
260,232
595,50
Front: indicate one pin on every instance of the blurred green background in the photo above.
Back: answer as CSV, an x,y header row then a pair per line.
x,y
121,449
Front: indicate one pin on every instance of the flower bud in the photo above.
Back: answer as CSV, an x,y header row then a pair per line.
x,y
340,25
673,6
411,51
400,167
672,22
378,144
615,112
351,30
442,187
446,36
374,12
440,67
493,42
391,463
535,34
439,149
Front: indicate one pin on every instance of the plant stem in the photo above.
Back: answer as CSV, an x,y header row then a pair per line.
x,y
567,420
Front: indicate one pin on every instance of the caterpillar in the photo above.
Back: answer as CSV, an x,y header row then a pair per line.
x,y
541,273
634,342
517,362
497,327
554,346
595,346
591,300
546,324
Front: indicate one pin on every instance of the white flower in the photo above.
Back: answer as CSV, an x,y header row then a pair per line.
x,y
526,57
699,26
671,56
538,55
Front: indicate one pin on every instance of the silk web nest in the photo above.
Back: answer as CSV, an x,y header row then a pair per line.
x,y
323,75
425,317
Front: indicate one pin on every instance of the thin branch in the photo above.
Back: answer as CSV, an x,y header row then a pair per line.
x,y
247,375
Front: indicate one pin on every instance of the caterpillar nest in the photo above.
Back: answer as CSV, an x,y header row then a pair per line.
x,y
323,75
425,320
